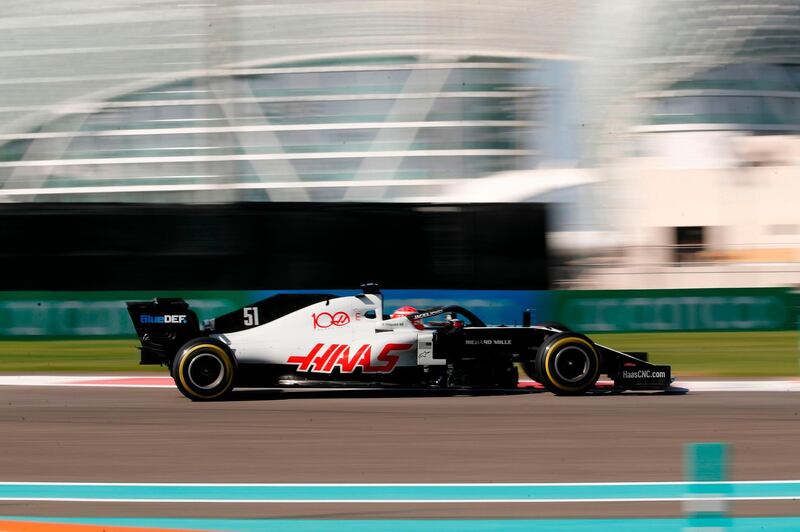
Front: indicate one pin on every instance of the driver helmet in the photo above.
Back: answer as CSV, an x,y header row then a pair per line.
x,y
406,311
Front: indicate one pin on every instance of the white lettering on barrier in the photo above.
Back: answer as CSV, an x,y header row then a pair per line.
x,y
24,318
80,318
691,306
677,313
672,307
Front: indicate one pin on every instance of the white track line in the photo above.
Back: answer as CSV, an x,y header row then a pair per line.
x,y
760,490
100,381
732,385
740,386
130,381
687,498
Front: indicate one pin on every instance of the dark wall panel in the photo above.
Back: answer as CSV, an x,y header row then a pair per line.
x,y
271,246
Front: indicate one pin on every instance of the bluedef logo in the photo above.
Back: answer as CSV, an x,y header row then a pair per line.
x,y
169,318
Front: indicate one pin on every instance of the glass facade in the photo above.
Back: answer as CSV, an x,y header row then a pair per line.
x,y
366,128
750,96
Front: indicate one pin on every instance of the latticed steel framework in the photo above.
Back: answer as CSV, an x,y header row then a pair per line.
x,y
291,100
681,65
365,128
387,100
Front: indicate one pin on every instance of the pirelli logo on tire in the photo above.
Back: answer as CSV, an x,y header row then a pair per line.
x,y
204,371
568,363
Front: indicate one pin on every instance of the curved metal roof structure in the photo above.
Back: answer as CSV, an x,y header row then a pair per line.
x,y
383,127
343,100
288,100
681,65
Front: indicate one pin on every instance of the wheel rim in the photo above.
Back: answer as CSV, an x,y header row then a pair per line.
x,y
572,364
206,371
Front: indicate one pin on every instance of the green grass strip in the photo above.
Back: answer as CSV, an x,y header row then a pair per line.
x,y
715,354
83,356
691,354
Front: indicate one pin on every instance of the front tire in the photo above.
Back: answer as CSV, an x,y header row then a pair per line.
x,y
567,364
204,370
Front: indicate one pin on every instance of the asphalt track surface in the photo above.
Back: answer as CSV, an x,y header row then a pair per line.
x,y
74,434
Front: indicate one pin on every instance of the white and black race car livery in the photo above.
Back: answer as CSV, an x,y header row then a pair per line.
x,y
317,339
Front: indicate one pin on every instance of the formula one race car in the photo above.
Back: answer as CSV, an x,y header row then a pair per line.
x,y
314,339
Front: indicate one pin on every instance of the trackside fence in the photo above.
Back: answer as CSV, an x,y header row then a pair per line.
x,y
102,314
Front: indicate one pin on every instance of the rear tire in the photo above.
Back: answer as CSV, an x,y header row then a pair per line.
x,y
204,370
568,364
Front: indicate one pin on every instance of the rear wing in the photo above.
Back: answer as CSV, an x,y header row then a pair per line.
x,y
163,325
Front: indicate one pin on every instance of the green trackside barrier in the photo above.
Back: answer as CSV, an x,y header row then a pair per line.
x,y
101,314
56,315
729,310
707,463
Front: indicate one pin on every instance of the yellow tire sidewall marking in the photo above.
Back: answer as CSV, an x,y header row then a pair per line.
x,y
226,361
551,349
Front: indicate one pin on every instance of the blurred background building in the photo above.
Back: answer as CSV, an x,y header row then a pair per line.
x,y
696,115
319,100
664,133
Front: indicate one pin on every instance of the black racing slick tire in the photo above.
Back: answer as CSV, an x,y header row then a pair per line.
x,y
204,370
568,364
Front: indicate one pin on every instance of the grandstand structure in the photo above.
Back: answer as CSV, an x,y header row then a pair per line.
x,y
287,101
701,103
667,129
